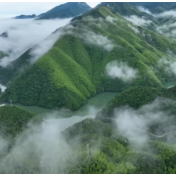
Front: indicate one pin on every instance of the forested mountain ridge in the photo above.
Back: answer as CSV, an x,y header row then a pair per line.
x,y
74,68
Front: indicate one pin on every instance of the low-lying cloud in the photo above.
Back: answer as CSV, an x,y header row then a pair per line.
x,y
120,70
2,87
42,148
98,40
138,21
151,120
142,9
134,28
168,65
24,34
170,13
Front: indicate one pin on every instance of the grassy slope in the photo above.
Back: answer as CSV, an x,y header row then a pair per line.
x,y
73,70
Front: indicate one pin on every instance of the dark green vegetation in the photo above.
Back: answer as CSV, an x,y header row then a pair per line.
x,y
67,10
74,69
13,120
25,16
111,153
97,149
136,97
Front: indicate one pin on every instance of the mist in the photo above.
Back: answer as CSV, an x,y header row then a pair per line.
x,y
24,34
169,65
142,9
120,70
2,87
43,144
137,125
134,28
138,21
170,13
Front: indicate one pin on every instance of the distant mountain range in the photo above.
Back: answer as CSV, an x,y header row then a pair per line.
x,y
25,16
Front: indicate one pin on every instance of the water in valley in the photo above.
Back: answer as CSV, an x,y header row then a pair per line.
x,y
92,106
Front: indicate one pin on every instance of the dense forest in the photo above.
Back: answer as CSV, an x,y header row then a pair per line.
x,y
74,68
100,51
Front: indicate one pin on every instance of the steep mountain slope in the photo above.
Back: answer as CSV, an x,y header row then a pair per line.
x,y
131,11
156,7
125,9
68,10
25,16
75,67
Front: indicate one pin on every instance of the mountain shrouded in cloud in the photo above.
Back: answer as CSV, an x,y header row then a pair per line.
x,y
70,65
156,7
95,94
67,10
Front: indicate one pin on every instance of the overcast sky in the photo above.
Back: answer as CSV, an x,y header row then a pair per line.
x,y
10,9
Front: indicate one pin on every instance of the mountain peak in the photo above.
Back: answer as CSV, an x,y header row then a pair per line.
x,y
67,10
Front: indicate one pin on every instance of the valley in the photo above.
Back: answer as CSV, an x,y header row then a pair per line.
x,y
89,90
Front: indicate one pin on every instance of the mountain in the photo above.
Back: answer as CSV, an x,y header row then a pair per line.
x,y
125,9
73,70
156,7
131,11
25,16
4,35
67,10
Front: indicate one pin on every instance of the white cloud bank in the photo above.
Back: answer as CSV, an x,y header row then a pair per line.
x,y
120,70
142,9
138,21
23,34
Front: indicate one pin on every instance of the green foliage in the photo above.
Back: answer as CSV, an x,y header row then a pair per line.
x,y
74,70
13,120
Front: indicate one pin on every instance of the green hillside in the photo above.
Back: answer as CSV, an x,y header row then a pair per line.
x,y
136,97
13,120
74,69
127,9
108,153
